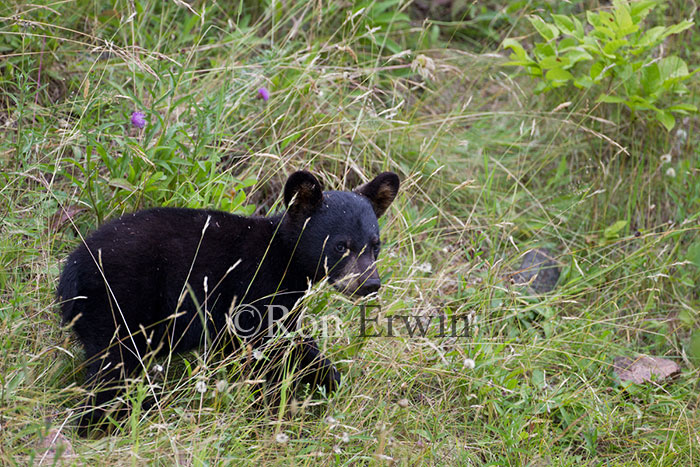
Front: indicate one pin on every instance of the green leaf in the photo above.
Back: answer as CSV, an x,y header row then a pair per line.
x,y
517,49
559,75
544,49
641,8
547,31
625,73
636,102
548,63
538,379
694,347
623,19
672,67
565,24
434,34
606,21
683,108
614,230
542,86
608,99
392,46
655,35
666,119
567,43
520,63
289,139
577,55
122,183
611,47
693,254
680,27
583,82
651,37
593,18
651,79
596,70
514,7
686,317
579,32
534,71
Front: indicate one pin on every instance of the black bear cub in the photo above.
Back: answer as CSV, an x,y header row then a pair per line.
x,y
168,280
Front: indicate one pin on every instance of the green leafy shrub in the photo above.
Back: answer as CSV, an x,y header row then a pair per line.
x,y
614,60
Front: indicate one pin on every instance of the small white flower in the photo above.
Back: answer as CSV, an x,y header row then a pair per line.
x,y
425,267
281,438
345,438
200,386
221,385
682,135
331,420
670,172
425,66
257,354
158,368
337,450
469,363
666,158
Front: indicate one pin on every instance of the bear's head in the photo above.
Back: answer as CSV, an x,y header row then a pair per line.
x,y
335,233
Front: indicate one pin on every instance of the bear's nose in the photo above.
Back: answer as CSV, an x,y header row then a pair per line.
x,y
368,287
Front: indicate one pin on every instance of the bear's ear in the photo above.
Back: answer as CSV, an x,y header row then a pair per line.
x,y
304,192
381,191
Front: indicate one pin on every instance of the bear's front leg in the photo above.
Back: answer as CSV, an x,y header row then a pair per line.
x,y
302,363
106,374
313,368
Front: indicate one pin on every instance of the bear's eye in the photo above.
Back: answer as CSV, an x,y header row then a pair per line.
x,y
341,247
375,248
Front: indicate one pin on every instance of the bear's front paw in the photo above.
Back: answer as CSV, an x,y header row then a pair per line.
x,y
323,375
331,380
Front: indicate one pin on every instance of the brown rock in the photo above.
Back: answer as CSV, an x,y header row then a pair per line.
x,y
51,444
642,369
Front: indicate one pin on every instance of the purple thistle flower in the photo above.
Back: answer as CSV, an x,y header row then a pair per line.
x,y
263,93
138,119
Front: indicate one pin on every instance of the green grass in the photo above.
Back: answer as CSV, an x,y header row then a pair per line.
x,y
488,170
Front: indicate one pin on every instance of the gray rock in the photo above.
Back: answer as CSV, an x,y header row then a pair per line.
x,y
539,270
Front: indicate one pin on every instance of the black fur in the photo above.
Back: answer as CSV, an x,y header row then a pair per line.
x,y
148,270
